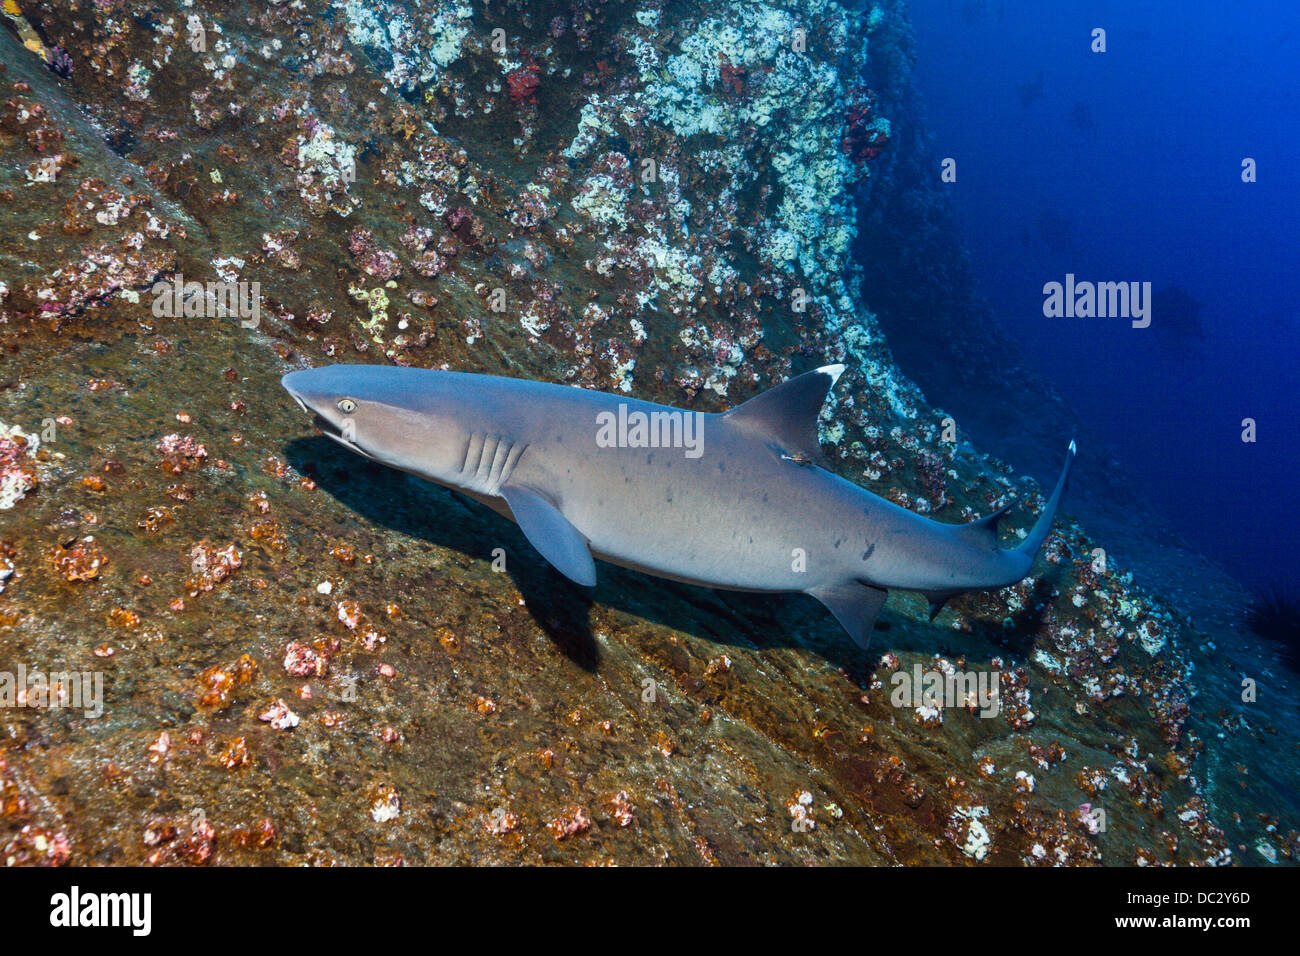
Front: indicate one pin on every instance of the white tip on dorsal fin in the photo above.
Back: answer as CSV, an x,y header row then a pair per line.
x,y
786,414
834,371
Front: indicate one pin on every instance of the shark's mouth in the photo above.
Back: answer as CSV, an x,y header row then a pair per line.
x,y
330,430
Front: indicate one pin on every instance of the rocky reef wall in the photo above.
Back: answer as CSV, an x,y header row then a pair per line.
x,y
309,659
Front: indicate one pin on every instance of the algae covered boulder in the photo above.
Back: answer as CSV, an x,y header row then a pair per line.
x,y
239,644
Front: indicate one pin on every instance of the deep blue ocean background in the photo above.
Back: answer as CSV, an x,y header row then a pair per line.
x,y
1126,166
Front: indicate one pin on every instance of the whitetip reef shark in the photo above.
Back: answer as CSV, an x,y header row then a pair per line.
x,y
738,500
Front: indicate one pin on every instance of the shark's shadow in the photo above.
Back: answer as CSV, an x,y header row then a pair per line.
x,y
449,520
444,518
1019,636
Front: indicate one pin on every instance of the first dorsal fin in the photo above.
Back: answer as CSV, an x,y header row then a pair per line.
x,y
786,414
984,531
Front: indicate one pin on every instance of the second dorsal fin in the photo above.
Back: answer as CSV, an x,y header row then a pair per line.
x,y
786,414
984,531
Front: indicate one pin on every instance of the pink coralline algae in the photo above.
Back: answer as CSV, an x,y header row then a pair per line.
x,y
679,226
57,59
91,280
373,259
279,716
465,224
301,660
571,822
529,210
866,136
523,83
211,566
428,264
181,453
733,77
17,474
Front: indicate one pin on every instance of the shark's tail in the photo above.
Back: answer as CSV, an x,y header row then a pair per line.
x,y
1038,534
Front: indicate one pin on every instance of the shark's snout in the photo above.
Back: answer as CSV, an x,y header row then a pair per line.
x,y
294,384
287,383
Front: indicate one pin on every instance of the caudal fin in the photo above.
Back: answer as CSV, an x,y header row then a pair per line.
x,y
1038,534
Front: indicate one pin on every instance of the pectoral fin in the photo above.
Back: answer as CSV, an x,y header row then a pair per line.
x,y
551,534
855,605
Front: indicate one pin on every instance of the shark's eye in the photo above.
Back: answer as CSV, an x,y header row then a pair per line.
x,y
347,406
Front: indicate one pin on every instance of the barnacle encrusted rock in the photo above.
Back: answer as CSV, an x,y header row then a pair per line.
x,y
650,197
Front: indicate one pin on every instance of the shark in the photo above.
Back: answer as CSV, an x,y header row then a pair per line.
x,y
740,500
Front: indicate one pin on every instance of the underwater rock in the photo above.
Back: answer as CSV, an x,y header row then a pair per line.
x,y
349,667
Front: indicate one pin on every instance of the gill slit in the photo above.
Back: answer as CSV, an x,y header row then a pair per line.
x,y
489,461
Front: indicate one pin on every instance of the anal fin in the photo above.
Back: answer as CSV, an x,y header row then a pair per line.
x,y
552,534
937,601
855,605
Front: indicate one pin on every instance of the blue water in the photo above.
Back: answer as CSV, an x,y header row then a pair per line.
x,y
1123,166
